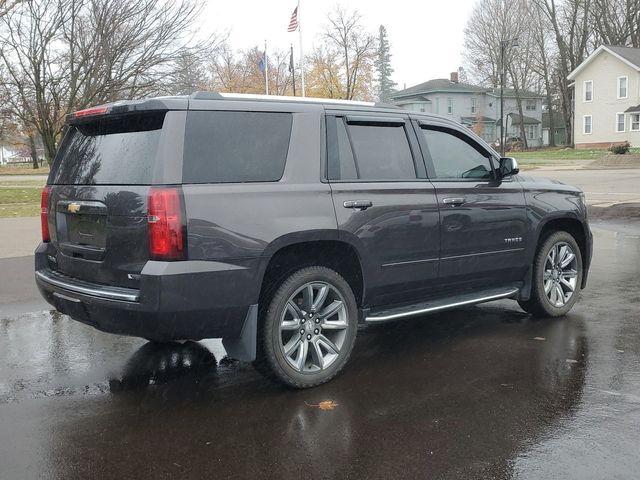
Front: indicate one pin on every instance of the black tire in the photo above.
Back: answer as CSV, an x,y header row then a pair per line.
x,y
271,358
540,304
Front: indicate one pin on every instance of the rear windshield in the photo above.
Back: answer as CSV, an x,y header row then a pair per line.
x,y
224,146
112,150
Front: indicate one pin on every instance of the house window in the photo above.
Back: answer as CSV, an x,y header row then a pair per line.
x,y
586,126
473,105
450,106
622,87
532,132
619,122
588,90
635,122
531,105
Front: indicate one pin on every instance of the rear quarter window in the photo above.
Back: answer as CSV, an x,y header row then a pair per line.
x,y
226,147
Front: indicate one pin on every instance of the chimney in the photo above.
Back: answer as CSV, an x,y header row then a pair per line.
x,y
454,77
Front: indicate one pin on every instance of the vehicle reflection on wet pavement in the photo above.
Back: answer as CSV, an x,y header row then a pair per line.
x,y
483,392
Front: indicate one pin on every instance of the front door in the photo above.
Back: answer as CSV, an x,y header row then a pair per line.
x,y
384,204
483,218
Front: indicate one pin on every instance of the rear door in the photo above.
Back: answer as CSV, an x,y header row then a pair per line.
x,y
384,203
99,184
483,218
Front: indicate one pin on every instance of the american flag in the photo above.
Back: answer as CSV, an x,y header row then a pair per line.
x,y
293,23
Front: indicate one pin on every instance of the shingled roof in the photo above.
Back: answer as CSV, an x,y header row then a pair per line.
x,y
444,85
629,55
438,85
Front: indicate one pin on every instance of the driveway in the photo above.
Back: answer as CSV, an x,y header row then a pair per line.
x,y
483,392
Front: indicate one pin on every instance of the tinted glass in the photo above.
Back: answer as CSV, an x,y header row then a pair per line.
x,y
235,146
341,162
454,157
109,151
382,152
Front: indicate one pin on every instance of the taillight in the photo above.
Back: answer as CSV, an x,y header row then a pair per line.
x,y
91,111
166,241
44,218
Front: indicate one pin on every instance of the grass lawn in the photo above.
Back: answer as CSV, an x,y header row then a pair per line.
x,y
23,170
559,156
18,200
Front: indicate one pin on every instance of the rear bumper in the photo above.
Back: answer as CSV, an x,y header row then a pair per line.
x,y
176,300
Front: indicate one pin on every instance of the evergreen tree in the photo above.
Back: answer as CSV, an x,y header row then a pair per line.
x,y
383,66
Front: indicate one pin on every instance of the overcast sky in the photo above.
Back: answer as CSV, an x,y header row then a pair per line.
x,y
426,36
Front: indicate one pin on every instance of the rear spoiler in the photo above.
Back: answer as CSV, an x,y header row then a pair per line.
x,y
127,106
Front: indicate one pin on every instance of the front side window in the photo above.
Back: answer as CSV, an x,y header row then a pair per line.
x,y
587,128
473,105
588,90
635,122
225,146
620,127
622,87
454,157
531,105
450,106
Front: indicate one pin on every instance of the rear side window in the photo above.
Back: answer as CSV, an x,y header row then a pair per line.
x,y
110,150
369,152
222,147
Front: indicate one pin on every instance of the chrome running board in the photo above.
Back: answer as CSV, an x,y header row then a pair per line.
x,y
387,314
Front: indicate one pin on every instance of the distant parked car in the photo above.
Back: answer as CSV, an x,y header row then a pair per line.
x,y
279,225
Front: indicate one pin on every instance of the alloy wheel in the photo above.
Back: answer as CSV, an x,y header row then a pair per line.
x,y
313,327
560,274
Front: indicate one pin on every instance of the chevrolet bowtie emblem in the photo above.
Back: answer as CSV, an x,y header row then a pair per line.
x,y
73,208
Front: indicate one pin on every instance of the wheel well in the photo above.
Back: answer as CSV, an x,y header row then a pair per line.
x,y
573,227
338,256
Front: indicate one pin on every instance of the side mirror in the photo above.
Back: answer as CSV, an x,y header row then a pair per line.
x,y
508,166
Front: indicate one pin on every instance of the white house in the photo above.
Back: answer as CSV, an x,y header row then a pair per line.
x,y
476,107
607,98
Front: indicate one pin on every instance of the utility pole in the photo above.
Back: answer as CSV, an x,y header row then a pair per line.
x,y
504,44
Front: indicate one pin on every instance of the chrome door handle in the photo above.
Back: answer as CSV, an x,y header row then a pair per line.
x,y
358,204
453,202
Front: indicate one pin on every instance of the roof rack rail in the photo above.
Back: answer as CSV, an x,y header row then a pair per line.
x,y
276,98
206,96
386,105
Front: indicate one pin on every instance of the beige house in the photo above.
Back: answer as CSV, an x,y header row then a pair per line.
x,y
607,98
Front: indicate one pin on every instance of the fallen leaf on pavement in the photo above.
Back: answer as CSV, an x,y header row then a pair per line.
x,y
326,405
540,339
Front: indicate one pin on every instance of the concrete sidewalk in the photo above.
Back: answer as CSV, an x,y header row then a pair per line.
x,y
19,236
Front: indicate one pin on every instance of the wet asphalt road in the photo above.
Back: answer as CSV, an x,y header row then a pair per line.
x,y
482,392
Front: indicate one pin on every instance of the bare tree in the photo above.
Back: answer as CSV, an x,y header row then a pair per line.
x,y
572,32
63,55
617,22
344,35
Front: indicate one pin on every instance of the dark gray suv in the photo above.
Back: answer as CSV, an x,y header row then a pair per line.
x,y
280,224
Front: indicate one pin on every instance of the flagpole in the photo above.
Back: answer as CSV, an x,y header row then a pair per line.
x,y
266,69
301,52
293,72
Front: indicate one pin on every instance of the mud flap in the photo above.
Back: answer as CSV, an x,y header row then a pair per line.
x,y
243,348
